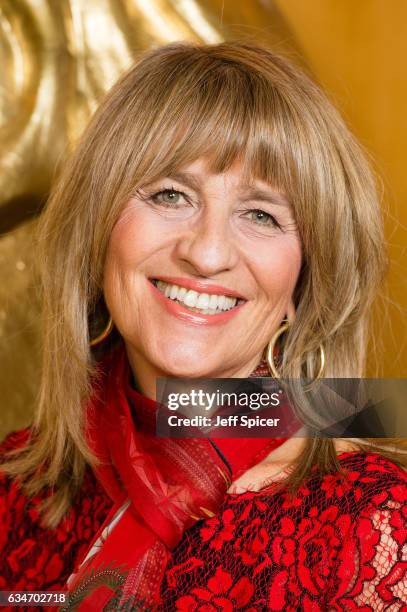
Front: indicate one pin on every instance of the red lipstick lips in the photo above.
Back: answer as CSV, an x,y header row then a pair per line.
x,y
183,313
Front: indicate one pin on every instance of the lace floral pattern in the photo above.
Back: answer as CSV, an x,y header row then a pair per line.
x,y
339,544
33,557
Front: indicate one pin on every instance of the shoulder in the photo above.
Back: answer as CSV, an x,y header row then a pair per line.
x,y
370,492
31,555
362,481
369,480
90,494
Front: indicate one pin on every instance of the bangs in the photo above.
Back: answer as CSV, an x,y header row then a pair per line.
x,y
225,114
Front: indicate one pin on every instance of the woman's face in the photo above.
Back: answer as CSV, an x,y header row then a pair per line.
x,y
200,271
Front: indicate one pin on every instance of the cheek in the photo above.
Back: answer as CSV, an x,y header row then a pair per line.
x,y
126,251
128,244
278,266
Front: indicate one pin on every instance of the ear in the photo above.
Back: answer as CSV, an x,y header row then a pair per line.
x,y
290,311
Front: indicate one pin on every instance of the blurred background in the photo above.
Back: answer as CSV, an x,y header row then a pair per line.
x,y
58,57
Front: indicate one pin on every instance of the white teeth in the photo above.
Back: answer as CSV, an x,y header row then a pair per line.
x,y
213,301
203,301
229,303
207,304
191,298
181,293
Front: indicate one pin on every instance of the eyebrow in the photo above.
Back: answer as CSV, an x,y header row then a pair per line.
x,y
187,178
248,192
264,195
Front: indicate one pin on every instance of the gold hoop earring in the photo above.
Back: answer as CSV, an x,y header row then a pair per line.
x,y
270,355
104,334
270,348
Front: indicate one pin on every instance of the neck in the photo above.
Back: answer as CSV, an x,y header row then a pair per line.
x,y
145,373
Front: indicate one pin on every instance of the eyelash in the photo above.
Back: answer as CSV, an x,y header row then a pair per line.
x,y
263,212
153,198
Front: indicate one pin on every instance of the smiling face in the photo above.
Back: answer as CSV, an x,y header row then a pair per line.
x,y
200,271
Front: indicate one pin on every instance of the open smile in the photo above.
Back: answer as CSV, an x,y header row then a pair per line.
x,y
202,302
197,301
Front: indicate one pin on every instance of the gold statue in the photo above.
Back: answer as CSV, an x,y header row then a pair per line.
x,y
57,59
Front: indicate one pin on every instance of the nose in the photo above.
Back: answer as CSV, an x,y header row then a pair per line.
x,y
208,247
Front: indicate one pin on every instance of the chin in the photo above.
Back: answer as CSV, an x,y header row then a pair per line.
x,y
188,365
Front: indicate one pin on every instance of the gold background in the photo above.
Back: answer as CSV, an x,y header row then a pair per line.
x,y
58,57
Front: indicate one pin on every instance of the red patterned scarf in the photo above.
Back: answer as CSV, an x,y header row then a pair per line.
x,y
160,487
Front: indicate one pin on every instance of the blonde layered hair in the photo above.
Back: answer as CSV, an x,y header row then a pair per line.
x,y
226,102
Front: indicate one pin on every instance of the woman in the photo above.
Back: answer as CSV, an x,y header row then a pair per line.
x,y
215,194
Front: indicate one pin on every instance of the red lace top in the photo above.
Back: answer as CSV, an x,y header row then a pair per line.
x,y
339,544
